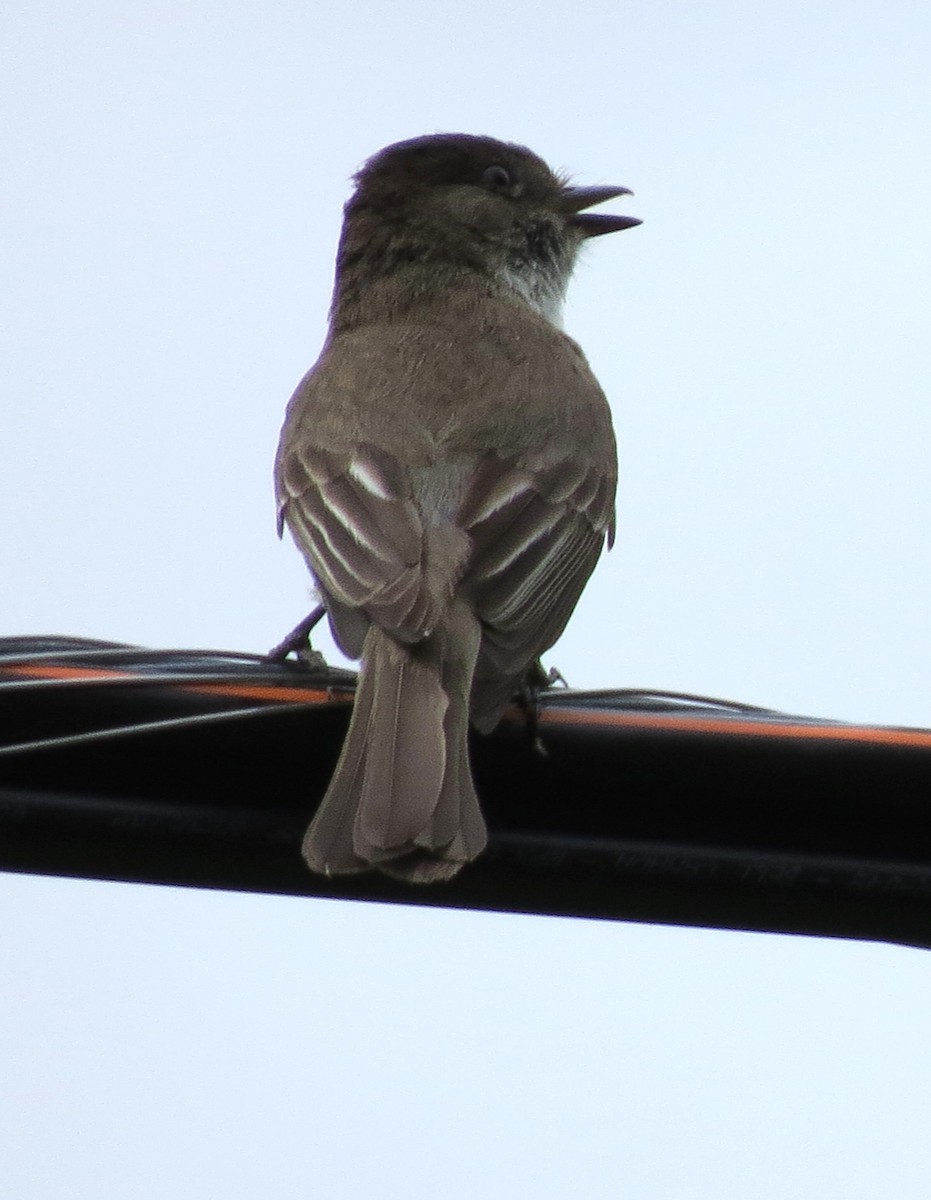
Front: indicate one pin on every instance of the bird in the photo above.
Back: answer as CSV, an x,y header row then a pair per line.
x,y
448,470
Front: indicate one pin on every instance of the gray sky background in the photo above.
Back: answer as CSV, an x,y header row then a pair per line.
x,y
171,193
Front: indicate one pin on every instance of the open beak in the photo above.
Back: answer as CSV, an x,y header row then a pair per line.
x,y
575,199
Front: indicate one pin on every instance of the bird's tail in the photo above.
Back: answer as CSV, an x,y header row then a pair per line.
x,y
402,798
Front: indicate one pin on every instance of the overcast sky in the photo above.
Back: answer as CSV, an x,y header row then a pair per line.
x,y
172,181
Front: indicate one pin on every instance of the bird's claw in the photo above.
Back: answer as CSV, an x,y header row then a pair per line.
x,y
298,642
536,681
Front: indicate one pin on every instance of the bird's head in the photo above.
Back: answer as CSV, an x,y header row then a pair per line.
x,y
475,203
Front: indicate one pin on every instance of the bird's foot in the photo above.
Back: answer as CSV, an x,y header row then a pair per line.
x,y
536,681
298,642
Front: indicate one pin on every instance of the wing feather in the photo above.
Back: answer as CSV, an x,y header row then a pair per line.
x,y
537,531
353,515
534,531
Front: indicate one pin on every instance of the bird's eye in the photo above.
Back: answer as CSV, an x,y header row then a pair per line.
x,y
496,177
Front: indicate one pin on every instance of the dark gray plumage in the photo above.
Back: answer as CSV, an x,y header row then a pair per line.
x,y
448,470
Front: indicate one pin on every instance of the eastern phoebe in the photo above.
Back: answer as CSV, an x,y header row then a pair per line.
x,y
447,469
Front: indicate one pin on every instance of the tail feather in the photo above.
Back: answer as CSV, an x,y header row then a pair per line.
x,y
405,758
457,826
328,843
402,798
